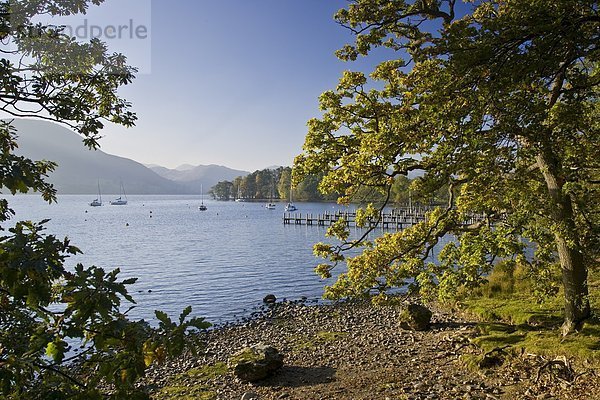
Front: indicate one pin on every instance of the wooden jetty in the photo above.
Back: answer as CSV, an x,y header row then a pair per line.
x,y
398,218
395,219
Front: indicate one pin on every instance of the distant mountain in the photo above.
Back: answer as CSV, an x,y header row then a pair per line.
x,y
79,169
185,167
151,165
193,176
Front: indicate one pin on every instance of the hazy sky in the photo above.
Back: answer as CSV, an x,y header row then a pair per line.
x,y
230,82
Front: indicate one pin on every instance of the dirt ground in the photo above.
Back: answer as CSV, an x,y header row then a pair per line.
x,y
357,351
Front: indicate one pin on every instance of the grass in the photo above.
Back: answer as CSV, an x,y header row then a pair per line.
x,y
324,336
193,392
321,337
246,356
193,384
518,310
512,320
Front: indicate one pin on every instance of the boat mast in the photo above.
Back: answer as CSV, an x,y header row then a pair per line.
x,y
123,190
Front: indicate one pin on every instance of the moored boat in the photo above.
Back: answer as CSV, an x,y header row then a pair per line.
x,y
121,200
202,207
289,207
97,202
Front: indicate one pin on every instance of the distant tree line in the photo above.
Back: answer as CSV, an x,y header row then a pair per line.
x,y
269,183
276,183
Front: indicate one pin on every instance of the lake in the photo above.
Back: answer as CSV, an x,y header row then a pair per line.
x,y
222,261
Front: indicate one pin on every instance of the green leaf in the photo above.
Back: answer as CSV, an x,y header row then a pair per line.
x,y
184,314
56,350
163,317
200,323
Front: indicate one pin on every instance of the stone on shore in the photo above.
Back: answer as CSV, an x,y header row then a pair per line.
x,y
255,363
270,299
416,317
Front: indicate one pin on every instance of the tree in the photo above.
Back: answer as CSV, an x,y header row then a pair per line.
x,y
498,100
400,190
222,191
249,186
238,187
264,184
63,332
307,188
285,183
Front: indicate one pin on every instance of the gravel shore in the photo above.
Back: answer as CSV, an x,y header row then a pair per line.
x,y
358,351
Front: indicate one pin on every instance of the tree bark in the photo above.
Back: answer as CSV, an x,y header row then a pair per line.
x,y
574,270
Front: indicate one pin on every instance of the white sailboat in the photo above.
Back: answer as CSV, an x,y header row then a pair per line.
x,y
270,205
122,199
289,207
202,207
97,202
239,195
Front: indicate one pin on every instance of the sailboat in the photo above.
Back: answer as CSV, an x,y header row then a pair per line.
x,y
270,205
290,206
239,195
97,202
120,201
202,207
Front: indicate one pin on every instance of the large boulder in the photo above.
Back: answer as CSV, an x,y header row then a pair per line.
x,y
256,362
416,317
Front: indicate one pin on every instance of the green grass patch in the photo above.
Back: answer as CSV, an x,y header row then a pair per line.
x,y
499,340
321,337
194,392
583,346
324,336
514,320
246,356
520,309
192,384
208,371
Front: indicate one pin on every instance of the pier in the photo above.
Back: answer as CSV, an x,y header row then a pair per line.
x,y
399,218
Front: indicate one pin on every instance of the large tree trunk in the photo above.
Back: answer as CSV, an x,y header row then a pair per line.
x,y
574,271
574,277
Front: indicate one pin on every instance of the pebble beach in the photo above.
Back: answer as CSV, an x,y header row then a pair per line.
x,y
359,351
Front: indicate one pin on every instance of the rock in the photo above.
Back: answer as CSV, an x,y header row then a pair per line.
x,y
256,362
416,317
249,396
270,299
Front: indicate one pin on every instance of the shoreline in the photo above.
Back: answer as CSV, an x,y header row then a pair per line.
x,y
353,350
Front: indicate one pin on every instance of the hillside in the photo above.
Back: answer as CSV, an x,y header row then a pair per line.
x,y
79,169
191,177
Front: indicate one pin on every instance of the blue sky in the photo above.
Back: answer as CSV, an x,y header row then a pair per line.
x,y
231,82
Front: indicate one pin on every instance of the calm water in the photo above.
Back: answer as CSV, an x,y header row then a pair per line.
x,y
222,261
